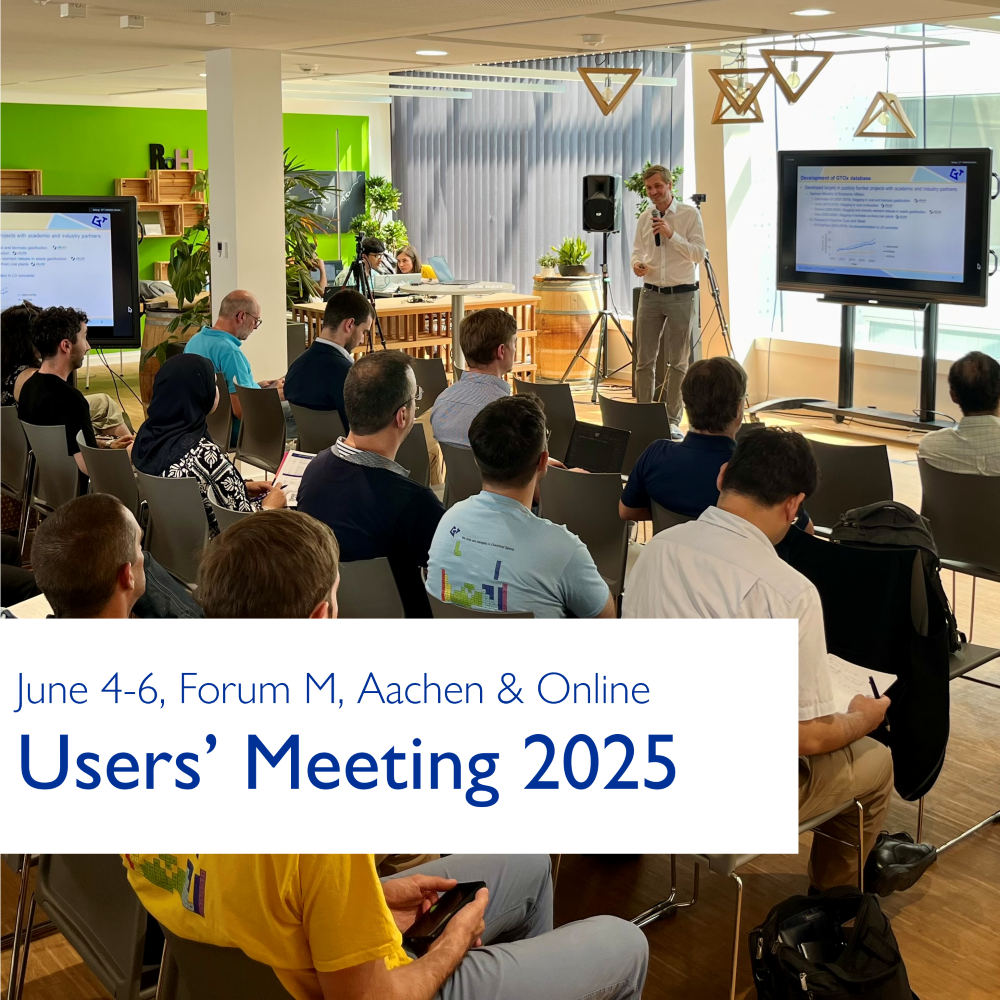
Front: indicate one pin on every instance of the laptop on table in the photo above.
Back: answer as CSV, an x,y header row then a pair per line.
x,y
445,275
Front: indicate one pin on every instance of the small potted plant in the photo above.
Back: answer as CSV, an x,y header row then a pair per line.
x,y
571,255
547,262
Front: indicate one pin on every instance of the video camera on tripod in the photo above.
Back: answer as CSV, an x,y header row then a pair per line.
x,y
359,277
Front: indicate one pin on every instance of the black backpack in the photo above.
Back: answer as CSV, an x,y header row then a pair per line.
x,y
802,951
889,522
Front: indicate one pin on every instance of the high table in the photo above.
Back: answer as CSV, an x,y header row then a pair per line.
x,y
458,294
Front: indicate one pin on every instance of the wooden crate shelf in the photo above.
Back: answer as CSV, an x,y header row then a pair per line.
x,y
20,182
135,187
167,186
171,218
160,270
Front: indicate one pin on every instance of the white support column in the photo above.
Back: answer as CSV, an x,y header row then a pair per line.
x,y
245,144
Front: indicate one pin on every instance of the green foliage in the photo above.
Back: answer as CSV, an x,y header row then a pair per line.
x,y
394,235
304,196
548,260
636,186
381,198
572,252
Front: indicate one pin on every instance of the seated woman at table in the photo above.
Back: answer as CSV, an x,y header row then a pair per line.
x,y
174,441
408,262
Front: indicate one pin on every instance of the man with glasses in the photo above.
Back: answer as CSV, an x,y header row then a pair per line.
x,y
362,493
222,344
372,251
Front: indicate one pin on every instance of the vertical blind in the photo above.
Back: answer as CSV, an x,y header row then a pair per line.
x,y
492,182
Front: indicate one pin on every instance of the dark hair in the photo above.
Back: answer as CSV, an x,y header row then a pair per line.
x,y
372,245
483,331
274,564
15,338
975,381
507,438
411,252
54,325
375,388
78,552
770,465
713,389
346,304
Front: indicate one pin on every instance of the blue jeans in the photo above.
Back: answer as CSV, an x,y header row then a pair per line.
x,y
522,957
164,597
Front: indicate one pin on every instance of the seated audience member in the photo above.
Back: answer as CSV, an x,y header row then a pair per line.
x,y
20,362
89,564
724,566
490,552
973,447
316,377
408,261
222,344
330,929
487,337
372,250
174,441
60,338
358,489
291,558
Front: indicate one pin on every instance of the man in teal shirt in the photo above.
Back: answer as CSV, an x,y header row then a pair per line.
x,y
222,344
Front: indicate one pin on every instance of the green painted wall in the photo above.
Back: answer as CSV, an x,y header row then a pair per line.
x,y
81,149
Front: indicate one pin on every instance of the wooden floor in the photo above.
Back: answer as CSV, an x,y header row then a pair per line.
x,y
947,925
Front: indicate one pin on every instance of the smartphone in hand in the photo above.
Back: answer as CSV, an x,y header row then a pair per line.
x,y
429,926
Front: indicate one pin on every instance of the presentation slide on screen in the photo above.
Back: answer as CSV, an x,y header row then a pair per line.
x,y
882,221
58,259
347,739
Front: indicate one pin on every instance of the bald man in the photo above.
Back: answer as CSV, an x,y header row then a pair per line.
x,y
222,344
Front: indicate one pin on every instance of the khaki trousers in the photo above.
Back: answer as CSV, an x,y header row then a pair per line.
x,y
105,413
392,864
862,771
434,455
665,329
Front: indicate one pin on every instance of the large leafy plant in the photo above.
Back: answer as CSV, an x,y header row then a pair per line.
x,y
382,199
636,186
572,252
304,196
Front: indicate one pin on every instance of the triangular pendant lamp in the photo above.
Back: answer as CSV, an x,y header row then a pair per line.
x,y
732,85
607,105
725,112
883,108
787,85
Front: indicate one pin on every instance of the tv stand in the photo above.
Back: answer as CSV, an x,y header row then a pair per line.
x,y
844,408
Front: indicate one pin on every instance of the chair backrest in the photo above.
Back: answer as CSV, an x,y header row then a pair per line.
x,y
13,453
368,590
560,414
318,429
220,422
431,377
647,421
57,476
462,476
663,518
297,336
196,971
262,428
964,512
442,609
588,505
226,518
849,476
111,471
90,901
413,455
178,523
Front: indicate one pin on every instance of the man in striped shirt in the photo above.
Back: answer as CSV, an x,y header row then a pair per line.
x,y
487,337
971,447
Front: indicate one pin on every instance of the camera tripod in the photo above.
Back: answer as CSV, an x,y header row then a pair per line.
x,y
359,278
600,324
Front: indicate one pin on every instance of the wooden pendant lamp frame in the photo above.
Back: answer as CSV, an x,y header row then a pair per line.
x,y
721,78
889,103
724,105
607,107
791,96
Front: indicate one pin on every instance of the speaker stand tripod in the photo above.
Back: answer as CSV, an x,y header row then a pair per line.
x,y
600,324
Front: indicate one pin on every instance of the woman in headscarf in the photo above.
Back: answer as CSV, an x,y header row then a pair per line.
x,y
174,441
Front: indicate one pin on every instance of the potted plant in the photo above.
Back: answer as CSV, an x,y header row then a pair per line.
x,y
382,199
547,262
304,197
571,254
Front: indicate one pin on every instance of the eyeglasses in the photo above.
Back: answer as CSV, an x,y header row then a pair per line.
x,y
257,320
415,398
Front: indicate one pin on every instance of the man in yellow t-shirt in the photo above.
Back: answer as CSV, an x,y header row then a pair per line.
x,y
330,929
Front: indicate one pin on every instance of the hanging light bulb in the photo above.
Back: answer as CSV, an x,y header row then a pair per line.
x,y
793,78
883,119
608,94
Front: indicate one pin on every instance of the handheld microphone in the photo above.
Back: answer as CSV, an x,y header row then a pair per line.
x,y
657,214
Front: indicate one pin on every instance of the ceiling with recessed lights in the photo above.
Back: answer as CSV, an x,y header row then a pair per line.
x,y
326,45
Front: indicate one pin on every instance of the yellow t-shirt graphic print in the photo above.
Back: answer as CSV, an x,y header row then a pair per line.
x,y
299,913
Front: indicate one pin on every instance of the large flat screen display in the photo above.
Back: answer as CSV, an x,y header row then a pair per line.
x,y
889,224
78,252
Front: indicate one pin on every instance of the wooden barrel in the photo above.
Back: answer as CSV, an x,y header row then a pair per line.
x,y
155,332
567,309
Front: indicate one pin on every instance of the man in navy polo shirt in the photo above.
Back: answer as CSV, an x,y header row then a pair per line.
x,y
681,475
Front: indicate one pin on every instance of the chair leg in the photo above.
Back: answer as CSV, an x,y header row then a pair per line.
x,y
920,820
22,971
861,845
995,818
29,489
736,933
972,612
22,898
667,906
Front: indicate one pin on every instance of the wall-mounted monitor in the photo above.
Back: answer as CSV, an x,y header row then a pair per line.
x,y
74,251
899,224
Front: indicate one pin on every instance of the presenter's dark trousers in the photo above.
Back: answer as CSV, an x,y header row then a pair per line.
x,y
665,329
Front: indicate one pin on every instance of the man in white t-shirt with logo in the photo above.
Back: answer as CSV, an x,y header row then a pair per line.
x,y
724,565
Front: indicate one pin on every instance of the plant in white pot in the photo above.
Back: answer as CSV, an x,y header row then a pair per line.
x,y
547,262
572,253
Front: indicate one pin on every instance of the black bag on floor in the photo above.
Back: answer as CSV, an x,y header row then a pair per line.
x,y
803,951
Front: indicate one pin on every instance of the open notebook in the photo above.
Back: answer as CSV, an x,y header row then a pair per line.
x,y
849,679
290,472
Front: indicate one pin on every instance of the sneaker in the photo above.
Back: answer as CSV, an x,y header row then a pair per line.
x,y
675,433
896,862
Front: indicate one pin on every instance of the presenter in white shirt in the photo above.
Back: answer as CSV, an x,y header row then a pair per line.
x,y
669,242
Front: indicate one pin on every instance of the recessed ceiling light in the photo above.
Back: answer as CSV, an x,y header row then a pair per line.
x,y
202,74
811,12
431,52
